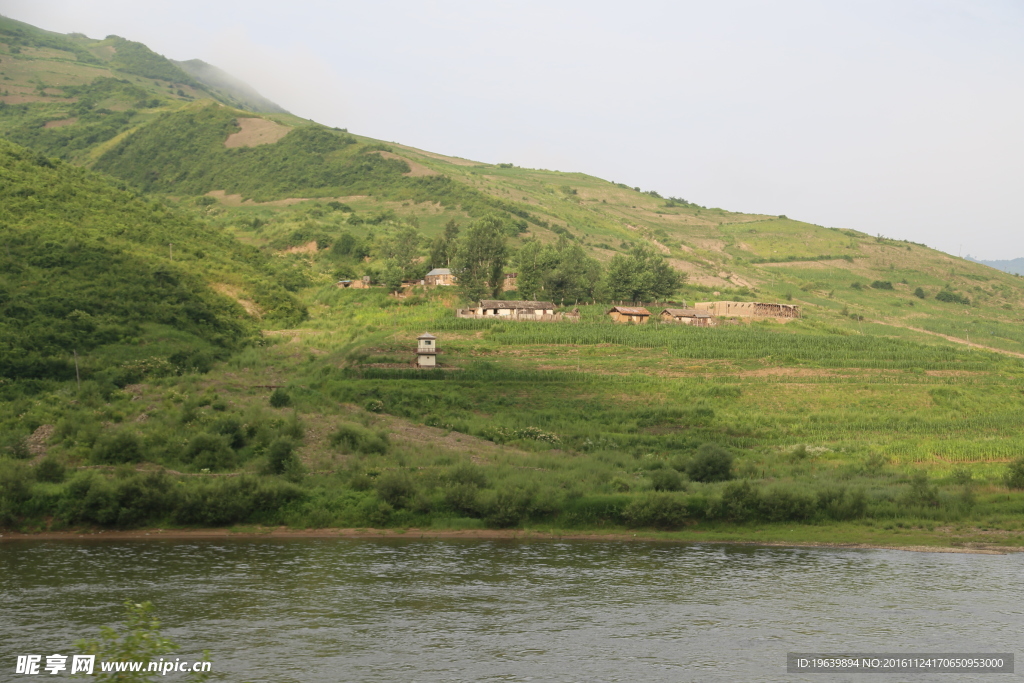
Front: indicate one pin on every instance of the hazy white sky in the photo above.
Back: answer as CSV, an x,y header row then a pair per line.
x,y
896,117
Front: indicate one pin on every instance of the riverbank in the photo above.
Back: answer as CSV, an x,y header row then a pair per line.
x,y
973,540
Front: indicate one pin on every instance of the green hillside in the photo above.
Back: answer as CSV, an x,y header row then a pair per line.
x,y
68,95
155,230
95,269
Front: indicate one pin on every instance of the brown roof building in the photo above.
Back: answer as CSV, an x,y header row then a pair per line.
x,y
687,316
629,314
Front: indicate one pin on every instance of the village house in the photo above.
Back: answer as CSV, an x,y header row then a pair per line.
x,y
629,314
364,283
439,277
426,350
514,309
517,310
687,316
748,309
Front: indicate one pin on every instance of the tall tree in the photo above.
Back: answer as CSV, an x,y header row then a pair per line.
x,y
642,275
562,271
480,256
442,250
400,247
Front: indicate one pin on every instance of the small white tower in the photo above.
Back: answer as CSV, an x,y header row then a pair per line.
x,y
426,350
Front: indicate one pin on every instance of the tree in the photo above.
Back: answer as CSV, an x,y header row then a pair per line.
x,y
392,275
563,271
281,457
443,248
531,267
140,642
400,248
643,275
710,463
479,262
1015,474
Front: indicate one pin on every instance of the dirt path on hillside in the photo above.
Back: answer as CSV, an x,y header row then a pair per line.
x,y
416,170
236,199
406,431
952,339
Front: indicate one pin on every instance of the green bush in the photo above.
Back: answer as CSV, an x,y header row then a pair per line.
x,y
919,293
507,507
356,439
396,488
840,504
280,398
18,448
15,491
468,474
710,463
666,479
952,298
1015,474
921,492
281,457
230,500
50,470
118,448
209,451
463,499
375,512
658,510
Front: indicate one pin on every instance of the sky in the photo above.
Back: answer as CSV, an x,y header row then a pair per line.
x,y
899,117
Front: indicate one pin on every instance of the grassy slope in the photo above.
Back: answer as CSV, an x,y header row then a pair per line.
x,y
88,266
863,382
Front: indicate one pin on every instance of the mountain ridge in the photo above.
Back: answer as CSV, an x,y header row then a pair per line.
x,y
1015,266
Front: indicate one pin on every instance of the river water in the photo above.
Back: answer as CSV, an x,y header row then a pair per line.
x,y
317,609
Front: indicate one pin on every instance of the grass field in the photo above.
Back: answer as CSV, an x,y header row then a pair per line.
x,y
578,427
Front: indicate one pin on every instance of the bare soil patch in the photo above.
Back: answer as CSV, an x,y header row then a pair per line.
x,y
813,265
239,296
60,123
661,247
307,248
711,245
256,132
37,441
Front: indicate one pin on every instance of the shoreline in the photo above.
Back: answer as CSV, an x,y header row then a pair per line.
x,y
473,534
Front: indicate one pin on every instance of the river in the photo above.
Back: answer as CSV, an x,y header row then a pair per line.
x,y
318,610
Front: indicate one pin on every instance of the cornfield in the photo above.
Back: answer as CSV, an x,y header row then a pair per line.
x,y
747,342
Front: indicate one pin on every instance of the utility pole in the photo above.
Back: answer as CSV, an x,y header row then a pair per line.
x,y
78,377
